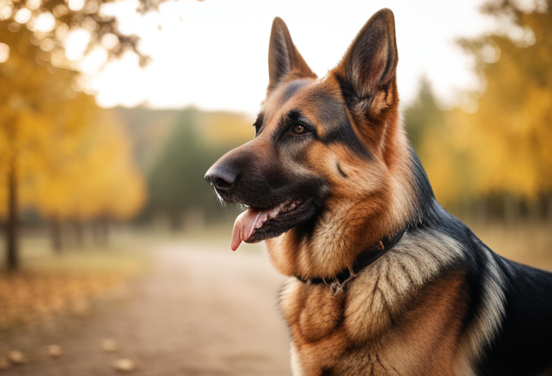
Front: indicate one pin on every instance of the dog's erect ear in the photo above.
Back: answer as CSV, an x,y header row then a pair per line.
x,y
369,65
284,61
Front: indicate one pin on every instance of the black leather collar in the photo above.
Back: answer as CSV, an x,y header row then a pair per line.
x,y
366,258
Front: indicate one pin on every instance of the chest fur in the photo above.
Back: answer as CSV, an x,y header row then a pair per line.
x,y
398,317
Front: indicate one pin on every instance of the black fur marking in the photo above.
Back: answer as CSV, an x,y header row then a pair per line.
x,y
291,89
425,204
331,115
294,116
341,171
338,129
258,124
345,135
280,55
283,59
524,343
365,54
348,91
362,63
429,214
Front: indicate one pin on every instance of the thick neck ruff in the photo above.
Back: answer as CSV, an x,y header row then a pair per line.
x,y
366,258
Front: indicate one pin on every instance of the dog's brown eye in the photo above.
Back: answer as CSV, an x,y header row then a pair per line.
x,y
299,129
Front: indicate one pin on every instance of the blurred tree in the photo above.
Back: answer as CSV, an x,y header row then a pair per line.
x,y
510,134
434,135
31,90
422,114
175,179
495,154
50,188
44,123
89,174
36,72
110,186
54,23
195,141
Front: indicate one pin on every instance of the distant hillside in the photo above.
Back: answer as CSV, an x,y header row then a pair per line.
x,y
175,148
149,129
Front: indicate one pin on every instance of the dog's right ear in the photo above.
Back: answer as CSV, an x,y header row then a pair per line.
x,y
367,72
284,61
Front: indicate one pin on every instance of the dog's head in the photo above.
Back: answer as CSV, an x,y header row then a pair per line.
x,y
325,150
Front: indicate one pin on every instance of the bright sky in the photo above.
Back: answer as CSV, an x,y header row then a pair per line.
x,y
213,54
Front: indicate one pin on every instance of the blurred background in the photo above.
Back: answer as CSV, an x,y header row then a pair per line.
x,y
115,253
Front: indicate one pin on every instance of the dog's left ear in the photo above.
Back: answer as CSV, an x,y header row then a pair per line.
x,y
284,60
367,72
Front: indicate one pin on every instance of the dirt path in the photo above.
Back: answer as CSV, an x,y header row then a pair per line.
x,y
202,311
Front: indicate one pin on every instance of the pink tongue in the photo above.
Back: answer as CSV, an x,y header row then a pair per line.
x,y
244,227
247,222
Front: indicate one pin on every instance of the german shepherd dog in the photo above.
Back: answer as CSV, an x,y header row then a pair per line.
x,y
383,280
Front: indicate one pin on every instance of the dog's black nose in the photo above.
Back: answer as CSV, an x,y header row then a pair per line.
x,y
221,177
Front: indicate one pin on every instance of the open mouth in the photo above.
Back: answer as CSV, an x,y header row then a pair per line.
x,y
255,225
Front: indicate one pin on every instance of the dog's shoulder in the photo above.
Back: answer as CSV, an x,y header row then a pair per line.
x,y
523,345
508,324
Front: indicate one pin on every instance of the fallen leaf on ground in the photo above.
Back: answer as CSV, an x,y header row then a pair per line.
x,y
16,357
4,363
125,365
109,345
55,351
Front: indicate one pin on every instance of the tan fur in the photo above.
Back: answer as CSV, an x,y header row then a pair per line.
x,y
377,196
394,316
488,322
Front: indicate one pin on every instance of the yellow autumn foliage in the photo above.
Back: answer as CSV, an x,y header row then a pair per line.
x,y
511,133
92,175
505,147
224,128
72,160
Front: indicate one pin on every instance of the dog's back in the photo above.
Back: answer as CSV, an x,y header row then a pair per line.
x,y
523,344
509,308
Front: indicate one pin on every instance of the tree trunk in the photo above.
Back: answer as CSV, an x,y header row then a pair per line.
x,y
550,209
176,222
511,210
96,232
105,231
101,231
534,210
481,212
79,236
12,220
55,226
